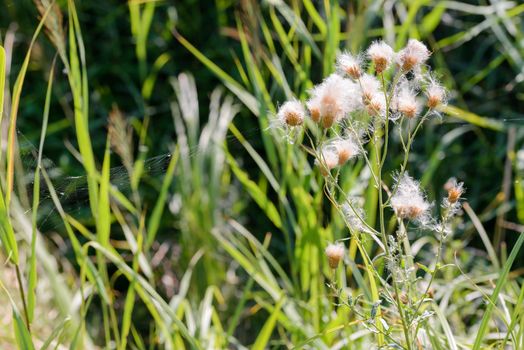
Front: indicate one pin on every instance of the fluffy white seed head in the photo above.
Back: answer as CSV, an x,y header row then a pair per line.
x,y
313,106
381,54
405,101
354,214
350,65
291,113
346,149
334,253
413,55
436,94
409,202
455,191
376,105
369,86
332,100
328,159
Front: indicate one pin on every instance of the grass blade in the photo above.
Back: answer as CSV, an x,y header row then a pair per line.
x,y
31,296
265,334
23,338
502,280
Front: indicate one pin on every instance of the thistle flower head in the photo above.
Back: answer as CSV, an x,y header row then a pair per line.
x,y
334,253
369,86
381,54
346,149
455,190
413,55
291,113
313,106
376,105
409,202
435,93
350,65
332,100
405,101
328,159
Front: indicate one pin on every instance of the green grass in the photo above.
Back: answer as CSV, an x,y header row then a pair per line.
x,y
221,244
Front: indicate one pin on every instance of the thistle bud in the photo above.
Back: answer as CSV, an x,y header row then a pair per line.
x,y
334,253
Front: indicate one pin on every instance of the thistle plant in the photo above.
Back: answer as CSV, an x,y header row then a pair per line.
x,y
352,114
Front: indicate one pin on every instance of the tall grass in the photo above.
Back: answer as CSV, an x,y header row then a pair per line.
x,y
229,250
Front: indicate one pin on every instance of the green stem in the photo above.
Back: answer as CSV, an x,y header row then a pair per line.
x,y
22,296
380,163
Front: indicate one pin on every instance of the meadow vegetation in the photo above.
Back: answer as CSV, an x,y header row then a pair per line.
x,y
261,174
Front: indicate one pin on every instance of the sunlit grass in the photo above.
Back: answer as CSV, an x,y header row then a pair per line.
x,y
219,242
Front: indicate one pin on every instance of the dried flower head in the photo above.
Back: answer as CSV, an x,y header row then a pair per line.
x,y
436,94
346,149
350,65
405,102
291,113
413,55
455,190
369,86
381,54
376,105
334,253
313,106
327,160
332,100
409,202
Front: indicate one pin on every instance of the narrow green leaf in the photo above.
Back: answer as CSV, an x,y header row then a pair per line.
x,y
265,334
255,192
473,118
22,336
55,334
31,295
154,221
502,280
103,222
